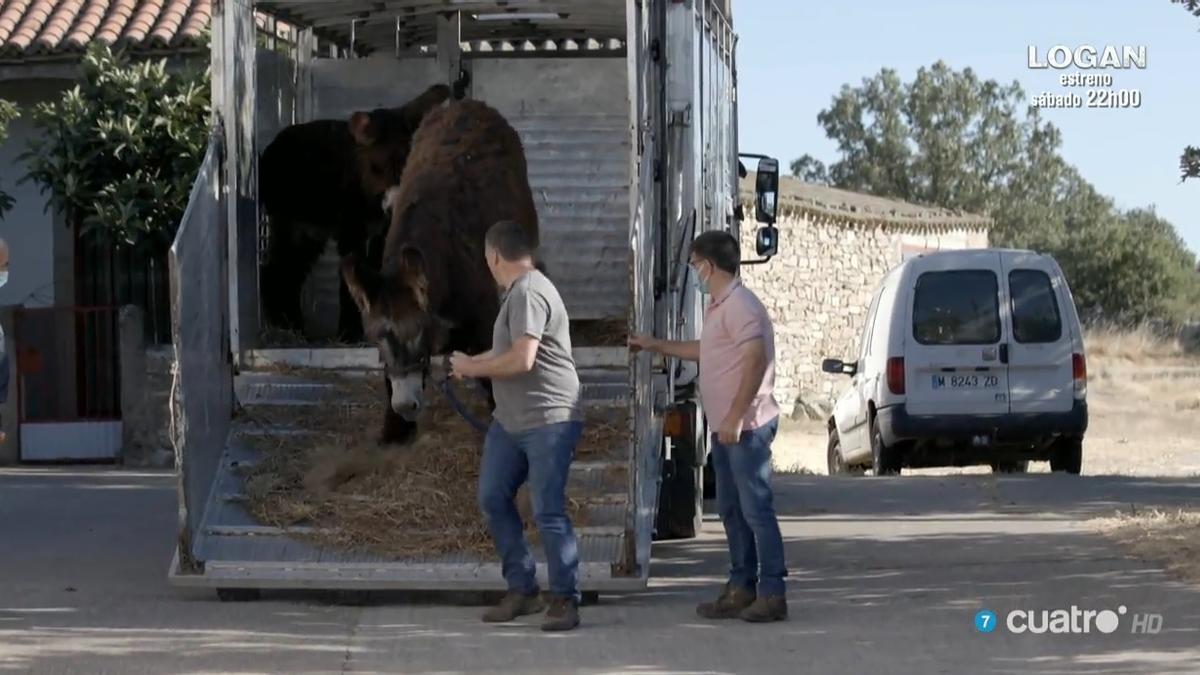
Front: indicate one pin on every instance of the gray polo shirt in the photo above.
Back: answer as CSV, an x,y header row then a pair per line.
x,y
549,393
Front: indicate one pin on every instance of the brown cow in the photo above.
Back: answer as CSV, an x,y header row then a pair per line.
x,y
434,293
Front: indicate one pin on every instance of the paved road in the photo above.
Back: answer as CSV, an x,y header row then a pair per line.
x,y
887,577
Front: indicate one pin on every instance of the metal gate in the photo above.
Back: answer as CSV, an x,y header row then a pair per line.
x,y
68,383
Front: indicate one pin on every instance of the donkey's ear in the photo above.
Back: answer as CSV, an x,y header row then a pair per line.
x,y
412,262
362,282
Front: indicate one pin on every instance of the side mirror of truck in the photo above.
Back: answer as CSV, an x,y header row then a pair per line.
x,y
766,190
766,243
838,367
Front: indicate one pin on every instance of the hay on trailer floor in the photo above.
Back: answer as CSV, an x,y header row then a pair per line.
x,y
599,333
406,502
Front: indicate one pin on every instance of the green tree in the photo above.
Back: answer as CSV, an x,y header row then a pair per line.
x,y
952,140
119,151
1189,163
1132,268
810,169
8,113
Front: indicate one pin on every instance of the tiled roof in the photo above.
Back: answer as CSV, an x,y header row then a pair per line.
x,y
58,27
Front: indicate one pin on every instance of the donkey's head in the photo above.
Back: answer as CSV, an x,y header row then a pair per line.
x,y
398,317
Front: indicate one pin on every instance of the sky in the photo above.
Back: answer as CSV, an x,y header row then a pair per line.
x,y
794,55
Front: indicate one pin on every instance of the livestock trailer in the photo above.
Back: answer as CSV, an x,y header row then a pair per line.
x,y
627,112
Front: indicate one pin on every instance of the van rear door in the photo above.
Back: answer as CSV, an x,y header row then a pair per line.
x,y
957,323
1039,366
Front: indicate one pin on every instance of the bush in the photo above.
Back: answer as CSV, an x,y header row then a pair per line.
x,y
8,113
119,151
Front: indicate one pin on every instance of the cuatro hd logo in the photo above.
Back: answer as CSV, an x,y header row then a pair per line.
x,y
1068,621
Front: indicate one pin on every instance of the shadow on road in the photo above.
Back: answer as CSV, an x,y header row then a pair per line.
x,y
886,576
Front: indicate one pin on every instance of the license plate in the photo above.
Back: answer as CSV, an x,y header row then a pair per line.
x,y
966,381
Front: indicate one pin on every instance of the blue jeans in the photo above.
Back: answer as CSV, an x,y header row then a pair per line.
x,y
543,456
744,500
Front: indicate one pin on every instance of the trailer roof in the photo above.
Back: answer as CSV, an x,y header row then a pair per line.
x,y
390,25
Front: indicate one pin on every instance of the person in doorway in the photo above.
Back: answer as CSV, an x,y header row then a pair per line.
x,y
537,424
736,353
5,365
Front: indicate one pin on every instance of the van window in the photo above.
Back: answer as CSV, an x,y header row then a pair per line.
x,y
1034,307
864,345
959,307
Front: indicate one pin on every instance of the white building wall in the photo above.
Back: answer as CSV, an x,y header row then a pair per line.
x,y
31,231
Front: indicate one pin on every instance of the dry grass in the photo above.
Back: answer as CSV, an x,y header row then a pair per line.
x,y
399,502
1131,345
1170,537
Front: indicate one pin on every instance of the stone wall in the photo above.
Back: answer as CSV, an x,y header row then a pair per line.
x,y
818,290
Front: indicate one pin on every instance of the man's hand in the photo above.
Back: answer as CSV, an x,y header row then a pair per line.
x,y
461,366
730,430
647,343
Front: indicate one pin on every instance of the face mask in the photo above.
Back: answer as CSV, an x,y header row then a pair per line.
x,y
699,284
3,277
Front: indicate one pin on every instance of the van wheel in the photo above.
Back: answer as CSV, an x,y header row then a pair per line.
x,y
1067,456
885,460
833,455
1010,467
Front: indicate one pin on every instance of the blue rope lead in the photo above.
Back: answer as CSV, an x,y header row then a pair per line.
x,y
448,391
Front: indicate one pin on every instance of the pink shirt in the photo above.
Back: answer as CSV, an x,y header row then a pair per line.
x,y
732,319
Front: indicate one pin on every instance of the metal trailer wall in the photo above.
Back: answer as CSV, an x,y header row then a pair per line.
x,y
573,116
702,164
276,100
202,389
645,86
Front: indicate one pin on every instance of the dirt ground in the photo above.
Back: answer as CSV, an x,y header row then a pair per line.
x,y
1170,537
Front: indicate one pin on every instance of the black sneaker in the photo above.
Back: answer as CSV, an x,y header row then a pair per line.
x,y
562,615
514,605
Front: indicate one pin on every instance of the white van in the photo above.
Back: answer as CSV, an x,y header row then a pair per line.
x,y
967,357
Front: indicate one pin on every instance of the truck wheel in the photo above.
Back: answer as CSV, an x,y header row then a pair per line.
x,y
677,509
1010,467
885,460
710,479
238,594
1067,456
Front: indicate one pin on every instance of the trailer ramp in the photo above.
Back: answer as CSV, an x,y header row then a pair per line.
x,y
238,552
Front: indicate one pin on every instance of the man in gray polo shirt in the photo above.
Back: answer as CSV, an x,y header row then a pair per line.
x,y
536,426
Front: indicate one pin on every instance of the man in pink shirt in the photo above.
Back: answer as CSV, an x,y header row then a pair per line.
x,y
736,352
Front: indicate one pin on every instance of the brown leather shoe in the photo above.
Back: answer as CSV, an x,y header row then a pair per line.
x,y
514,605
728,605
562,615
766,608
